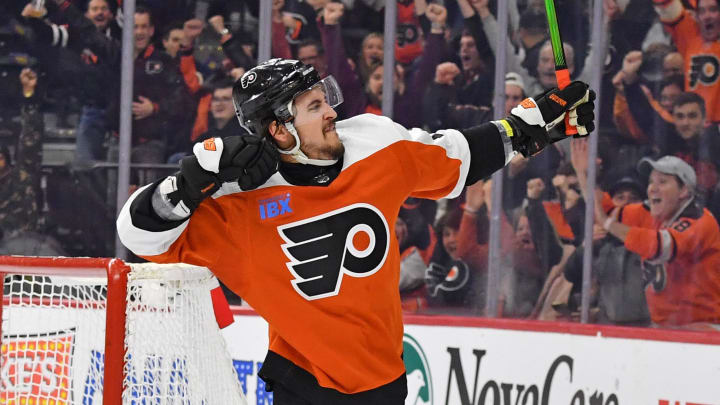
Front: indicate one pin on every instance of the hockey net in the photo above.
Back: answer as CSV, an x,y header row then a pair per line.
x,y
100,331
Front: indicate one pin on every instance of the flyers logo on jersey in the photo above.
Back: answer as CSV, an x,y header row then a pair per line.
x,y
352,241
704,70
655,275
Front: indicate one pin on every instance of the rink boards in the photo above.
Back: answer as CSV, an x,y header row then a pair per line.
x,y
449,360
463,361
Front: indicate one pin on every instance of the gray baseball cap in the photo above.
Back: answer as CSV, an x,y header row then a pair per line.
x,y
669,165
515,79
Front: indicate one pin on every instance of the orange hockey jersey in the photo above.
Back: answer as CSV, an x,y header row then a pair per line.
x,y
321,264
682,263
702,59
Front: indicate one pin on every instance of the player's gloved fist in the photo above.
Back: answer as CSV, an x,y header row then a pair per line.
x,y
582,116
248,159
177,196
532,120
193,184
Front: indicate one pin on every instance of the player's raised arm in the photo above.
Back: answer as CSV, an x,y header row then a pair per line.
x,y
529,127
156,214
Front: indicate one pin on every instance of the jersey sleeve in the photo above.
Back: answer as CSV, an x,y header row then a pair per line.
x,y
686,237
632,215
441,164
197,240
437,164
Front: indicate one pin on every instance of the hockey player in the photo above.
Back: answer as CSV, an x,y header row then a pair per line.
x,y
306,235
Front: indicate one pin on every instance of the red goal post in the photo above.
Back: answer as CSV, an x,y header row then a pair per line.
x,y
159,337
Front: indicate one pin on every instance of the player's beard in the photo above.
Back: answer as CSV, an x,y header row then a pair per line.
x,y
333,147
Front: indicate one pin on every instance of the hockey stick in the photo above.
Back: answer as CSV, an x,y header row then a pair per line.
x,y
561,71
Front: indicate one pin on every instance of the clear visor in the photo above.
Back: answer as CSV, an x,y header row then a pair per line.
x,y
329,87
333,94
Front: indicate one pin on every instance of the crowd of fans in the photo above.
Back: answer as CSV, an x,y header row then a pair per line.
x,y
656,243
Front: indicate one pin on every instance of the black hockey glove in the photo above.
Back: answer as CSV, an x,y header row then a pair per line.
x,y
247,159
532,120
250,160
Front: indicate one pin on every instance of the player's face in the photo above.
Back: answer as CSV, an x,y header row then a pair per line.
x,y
513,97
144,31
172,43
708,15
98,12
315,124
449,240
668,95
372,50
665,194
689,120
469,55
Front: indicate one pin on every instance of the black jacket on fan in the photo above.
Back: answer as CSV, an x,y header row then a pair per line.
x,y
156,76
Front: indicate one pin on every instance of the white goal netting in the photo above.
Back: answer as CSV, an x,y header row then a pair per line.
x,y
53,339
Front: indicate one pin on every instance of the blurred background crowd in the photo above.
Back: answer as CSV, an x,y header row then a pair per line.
x,y
656,243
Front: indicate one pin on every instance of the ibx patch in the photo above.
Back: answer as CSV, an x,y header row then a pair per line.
x,y
274,206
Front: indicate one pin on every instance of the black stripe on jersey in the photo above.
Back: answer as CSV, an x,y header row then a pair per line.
x,y
277,370
143,215
487,152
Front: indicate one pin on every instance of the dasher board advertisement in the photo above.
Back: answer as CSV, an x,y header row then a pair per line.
x,y
476,365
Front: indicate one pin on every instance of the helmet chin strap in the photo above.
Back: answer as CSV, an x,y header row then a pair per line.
x,y
299,155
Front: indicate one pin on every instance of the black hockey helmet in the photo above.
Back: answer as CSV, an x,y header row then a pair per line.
x,y
267,90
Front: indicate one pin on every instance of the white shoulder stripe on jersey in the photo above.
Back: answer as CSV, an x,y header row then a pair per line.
x,y
665,248
362,136
366,134
456,147
140,241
